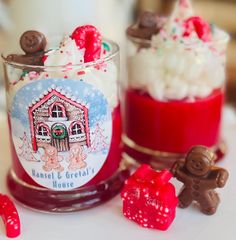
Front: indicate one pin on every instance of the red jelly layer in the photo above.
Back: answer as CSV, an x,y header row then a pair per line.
x,y
173,126
110,166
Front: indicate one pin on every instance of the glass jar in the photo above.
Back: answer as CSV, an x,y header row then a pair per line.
x,y
172,100
65,133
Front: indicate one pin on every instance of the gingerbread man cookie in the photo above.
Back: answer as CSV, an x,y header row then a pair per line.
x,y
51,159
33,43
76,158
148,25
200,177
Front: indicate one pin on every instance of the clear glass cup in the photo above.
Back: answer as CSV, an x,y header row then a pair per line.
x,y
163,119
65,133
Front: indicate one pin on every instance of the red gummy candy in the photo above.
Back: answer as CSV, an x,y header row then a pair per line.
x,y
10,216
149,199
201,27
88,37
44,58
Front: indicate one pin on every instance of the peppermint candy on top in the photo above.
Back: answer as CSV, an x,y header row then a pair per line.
x,y
88,37
198,25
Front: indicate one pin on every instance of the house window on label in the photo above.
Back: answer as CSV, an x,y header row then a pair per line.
x,y
76,129
42,131
58,110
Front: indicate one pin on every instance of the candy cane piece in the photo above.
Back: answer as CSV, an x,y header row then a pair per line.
x,y
10,216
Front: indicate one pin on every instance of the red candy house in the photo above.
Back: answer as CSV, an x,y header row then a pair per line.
x,y
149,198
58,119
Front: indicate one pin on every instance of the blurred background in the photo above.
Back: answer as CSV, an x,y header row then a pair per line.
x,y
56,17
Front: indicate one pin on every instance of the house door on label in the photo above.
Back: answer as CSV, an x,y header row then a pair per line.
x,y
60,138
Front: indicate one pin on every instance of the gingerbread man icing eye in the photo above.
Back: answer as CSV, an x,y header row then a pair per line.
x,y
32,42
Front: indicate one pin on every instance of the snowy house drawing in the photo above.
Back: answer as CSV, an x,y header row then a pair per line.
x,y
58,119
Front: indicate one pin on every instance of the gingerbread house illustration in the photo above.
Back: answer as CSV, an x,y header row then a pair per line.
x,y
58,119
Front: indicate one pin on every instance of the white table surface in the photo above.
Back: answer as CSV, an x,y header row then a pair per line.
x,y
106,221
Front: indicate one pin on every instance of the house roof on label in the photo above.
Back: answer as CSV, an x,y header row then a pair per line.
x,y
60,92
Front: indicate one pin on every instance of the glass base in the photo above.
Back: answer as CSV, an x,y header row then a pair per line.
x,y
136,154
47,200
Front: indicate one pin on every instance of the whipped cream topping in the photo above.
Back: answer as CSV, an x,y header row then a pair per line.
x,y
67,54
183,10
176,67
102,76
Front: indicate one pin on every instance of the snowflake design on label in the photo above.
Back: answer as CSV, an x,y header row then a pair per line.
x,y
62,138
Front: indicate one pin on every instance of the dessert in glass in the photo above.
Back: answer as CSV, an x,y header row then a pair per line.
x,y
64,121
174,94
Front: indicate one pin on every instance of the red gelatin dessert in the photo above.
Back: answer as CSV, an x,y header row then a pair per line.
x,y
175,91
173,126
149,199
65,124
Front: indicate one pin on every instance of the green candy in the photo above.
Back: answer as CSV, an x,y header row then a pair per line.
x,y
106,46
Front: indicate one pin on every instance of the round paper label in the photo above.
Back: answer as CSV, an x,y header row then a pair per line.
x,y
61,131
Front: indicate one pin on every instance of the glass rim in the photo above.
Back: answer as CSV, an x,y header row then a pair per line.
x,y
115,49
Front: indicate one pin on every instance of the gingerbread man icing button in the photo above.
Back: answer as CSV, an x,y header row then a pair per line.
x,y
200,177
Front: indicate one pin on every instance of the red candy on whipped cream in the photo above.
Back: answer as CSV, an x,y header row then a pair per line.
x,y
199,26
88,37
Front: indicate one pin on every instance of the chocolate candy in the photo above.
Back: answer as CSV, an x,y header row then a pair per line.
x,y
32,42
200,177
148,25
29,59
144,33
148,20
